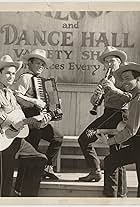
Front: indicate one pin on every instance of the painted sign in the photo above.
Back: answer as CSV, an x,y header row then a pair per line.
x,y
73,40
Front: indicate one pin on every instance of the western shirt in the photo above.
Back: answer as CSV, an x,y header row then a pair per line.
x,y
116,98
24,87
8,102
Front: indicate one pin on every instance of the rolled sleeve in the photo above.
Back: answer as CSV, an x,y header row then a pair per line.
x,y
119,138
116,99
22,85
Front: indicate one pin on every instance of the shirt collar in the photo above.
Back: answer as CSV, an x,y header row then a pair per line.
x,y
3,87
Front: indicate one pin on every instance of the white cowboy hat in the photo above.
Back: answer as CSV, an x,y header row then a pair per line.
x,y
37,53
129,66
112,51
7,61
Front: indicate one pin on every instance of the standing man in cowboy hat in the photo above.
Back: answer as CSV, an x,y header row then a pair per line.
x,y
31,106
130,76
12,148
114,99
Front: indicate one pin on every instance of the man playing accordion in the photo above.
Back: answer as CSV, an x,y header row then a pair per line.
x,y
31,105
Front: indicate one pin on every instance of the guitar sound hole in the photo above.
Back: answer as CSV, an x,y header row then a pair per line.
x,y
14,129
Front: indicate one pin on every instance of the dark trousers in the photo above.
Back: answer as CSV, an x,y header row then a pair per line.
x,y
120,175
124,156
32,169
35,135
47,134
109,120
29,183
7,165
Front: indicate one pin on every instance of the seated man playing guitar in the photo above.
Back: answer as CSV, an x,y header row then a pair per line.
x,y
12,125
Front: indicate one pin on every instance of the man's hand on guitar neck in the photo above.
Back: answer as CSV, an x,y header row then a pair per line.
x,y
39,121
19,125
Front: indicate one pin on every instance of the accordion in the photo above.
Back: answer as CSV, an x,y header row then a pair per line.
x,y
46,90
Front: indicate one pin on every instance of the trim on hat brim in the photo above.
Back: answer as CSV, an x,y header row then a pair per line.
x,y
29,56
7,64
120,54
124,68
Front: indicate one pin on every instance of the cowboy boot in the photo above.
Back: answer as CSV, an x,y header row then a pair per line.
x,y
93,175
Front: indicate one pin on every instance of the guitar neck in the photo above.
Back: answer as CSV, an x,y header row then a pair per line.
x,y
38,118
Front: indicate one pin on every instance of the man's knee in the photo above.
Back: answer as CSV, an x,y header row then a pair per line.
x,y
85,141
33,162
81,140
58,139
109,165
57,135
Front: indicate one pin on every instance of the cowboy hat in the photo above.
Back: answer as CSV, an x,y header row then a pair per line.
x,y
129,66
112,51
7,61
37,53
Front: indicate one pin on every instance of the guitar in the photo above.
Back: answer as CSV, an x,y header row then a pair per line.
x,y
103,133
8,133
121,125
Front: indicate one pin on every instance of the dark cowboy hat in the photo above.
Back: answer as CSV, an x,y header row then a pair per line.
x,y
112,51
130,66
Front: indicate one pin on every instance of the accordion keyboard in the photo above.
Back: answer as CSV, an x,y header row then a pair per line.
x,y
46,90
40,93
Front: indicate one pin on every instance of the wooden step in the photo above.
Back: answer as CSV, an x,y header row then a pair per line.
x,y
71,155
77,157
68,186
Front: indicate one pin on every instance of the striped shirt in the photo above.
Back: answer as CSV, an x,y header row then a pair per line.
x,y
8,102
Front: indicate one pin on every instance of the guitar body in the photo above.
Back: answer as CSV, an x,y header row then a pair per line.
x,y
8,133
5,142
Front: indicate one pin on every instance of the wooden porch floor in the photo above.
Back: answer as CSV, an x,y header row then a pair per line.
x,y
73,177
69,186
